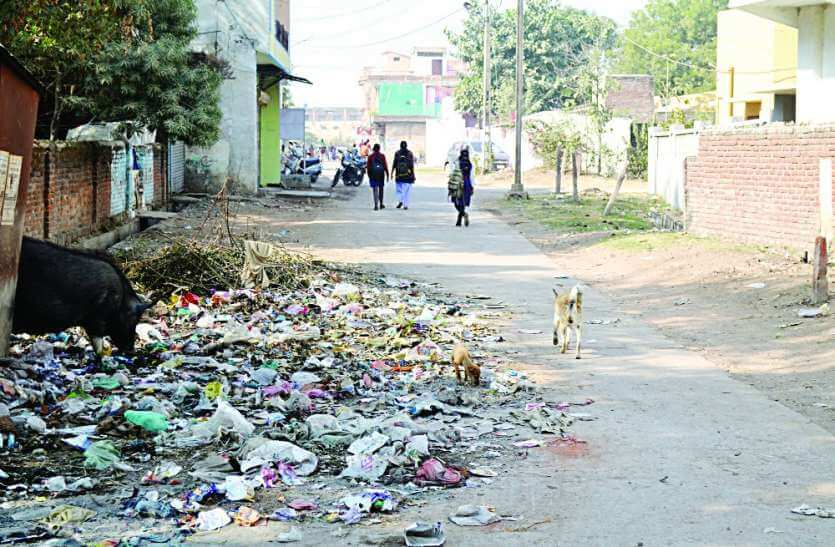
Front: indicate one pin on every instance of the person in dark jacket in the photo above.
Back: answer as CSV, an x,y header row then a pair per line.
x,y
463,197
378,175
403,172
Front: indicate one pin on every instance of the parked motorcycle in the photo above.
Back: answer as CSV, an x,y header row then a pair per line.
x,y
352,170
296,164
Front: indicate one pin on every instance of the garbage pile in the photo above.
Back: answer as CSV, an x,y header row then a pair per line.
x,y
333,403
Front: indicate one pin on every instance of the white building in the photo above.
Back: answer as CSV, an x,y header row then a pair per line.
x,y
253,37
815,22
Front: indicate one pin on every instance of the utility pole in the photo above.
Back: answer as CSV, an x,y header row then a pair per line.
x,y
486,139
517,190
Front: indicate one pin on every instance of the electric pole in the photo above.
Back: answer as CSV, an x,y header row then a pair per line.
x,y
486,140
517,190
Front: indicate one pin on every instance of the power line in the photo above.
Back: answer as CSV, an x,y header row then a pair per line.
x,y
666,58
343,14
413,31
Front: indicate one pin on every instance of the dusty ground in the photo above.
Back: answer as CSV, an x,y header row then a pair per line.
x,y
696,291
677,453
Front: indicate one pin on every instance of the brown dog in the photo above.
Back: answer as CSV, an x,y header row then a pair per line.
x,y
568,314
461,358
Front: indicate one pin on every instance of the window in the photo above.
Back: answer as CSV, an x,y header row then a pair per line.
x,y
437,67
397,59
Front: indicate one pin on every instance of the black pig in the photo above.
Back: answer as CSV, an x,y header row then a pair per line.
x,y
58,288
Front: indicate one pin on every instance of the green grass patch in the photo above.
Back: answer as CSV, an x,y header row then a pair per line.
x,y
655,241
630,213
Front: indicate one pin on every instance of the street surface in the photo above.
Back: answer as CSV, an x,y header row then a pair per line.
x,y
680,454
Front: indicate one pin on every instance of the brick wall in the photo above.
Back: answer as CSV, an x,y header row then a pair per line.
x,y
71,190
758,184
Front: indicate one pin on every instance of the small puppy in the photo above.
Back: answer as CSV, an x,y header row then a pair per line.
x,y
568,312
461,358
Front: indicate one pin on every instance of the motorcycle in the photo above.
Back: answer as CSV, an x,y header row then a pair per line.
x,y
352,171
296,164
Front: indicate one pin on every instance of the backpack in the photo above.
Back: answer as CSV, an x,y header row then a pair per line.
x,y
455,185
378,170
403,166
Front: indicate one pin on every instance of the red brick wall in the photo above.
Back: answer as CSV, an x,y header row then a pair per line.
x,y
758,184
160,175
77,203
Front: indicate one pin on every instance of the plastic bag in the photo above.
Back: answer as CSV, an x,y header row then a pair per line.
x,y
150,421
226,417
258,451
101,455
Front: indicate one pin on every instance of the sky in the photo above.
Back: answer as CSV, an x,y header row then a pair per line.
x,y
332,40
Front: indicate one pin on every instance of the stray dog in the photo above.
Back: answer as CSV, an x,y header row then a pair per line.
x,y
568,312
461,358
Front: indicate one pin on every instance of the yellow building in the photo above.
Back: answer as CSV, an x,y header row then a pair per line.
x,y
756,69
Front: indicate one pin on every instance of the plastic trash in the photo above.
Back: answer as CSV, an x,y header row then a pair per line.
x,y
247,516
213,520
36,424
811,313
423,534
345,291
258,452
377,501
150,421
162,473
101,455
417,446
212,469
809,511
67,514
290,536
226,418
237,489
369,444
474,515
369,467
40,352
107,383
264,376
302,505
303,378
434,473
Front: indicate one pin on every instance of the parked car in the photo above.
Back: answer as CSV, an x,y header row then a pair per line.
x,y
500,158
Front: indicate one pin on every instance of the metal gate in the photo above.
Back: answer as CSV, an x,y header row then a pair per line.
x,y
176,167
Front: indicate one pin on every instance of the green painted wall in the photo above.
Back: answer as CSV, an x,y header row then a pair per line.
x,y
403,99
271,139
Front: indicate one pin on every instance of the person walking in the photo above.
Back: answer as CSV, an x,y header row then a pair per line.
x,y
403,172
461,186
378,174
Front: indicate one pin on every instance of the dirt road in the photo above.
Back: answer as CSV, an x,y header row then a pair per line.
x,y
678,453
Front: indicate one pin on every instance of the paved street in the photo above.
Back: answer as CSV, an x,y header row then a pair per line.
x,y
679,454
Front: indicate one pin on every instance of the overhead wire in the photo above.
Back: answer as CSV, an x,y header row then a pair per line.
x,y
345,13
391,39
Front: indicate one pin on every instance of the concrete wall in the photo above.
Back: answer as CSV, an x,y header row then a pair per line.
x,y
616,140
233,31
759,184
816,64
762,55
413,133
271,138
667,152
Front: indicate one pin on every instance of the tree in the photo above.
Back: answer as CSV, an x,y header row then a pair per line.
x,y
551,141
555,40
119,60
593,82
58,40
675,42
